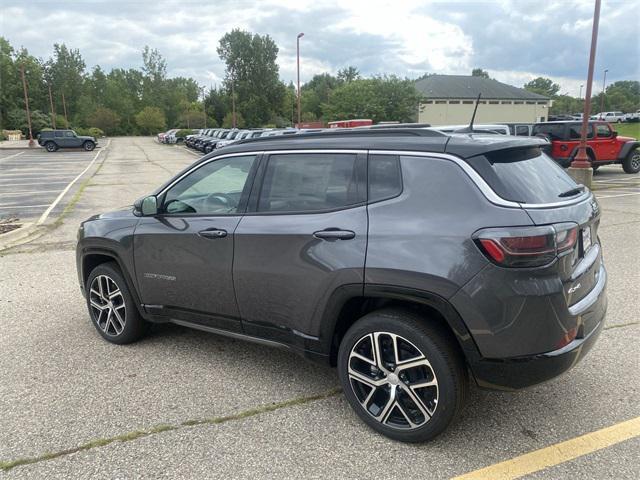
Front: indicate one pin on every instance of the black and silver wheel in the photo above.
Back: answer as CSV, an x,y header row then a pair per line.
x,y
50,146
111,306
631,164
88,145
402,375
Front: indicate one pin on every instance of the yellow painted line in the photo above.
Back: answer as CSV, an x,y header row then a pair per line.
x,y
557,454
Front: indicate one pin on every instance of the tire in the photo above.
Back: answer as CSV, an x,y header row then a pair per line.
x,y
595,168
88,145
631,164
50,147
111,307
400,417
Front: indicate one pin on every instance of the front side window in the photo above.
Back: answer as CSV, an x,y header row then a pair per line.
x,y
311,182
603,131
213,189
69,134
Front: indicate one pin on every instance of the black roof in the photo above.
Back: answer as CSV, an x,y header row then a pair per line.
x,y
422,140
466,86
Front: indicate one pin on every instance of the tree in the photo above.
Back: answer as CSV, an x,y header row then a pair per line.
x,y
105,119
316,92
151,120
227,121
348,74
65,73
380,99
478,72
251,66
543,86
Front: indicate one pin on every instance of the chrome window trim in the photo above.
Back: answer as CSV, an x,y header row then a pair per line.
x,y
475,177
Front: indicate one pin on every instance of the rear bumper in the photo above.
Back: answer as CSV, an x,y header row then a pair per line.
x,y
520,372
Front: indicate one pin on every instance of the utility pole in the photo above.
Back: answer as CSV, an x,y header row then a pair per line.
x,y
204,108
53,113
26,104
300,35
580,168
233,102
580,95
64,107
604,81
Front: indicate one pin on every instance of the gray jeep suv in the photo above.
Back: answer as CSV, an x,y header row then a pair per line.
x,y
407,258
52,140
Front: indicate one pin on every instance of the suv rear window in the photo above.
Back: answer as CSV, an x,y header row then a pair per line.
x,y
523,175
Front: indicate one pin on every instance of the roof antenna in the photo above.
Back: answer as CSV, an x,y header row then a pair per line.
x,y
469,129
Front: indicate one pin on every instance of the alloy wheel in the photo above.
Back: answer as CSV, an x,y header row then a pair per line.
x,y
635,160
107,305
393,380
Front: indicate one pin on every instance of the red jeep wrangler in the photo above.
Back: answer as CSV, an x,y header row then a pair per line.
x,y
603,148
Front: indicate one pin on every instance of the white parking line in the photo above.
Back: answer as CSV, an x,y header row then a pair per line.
x,y
46,213
193,153
11,156
26,191
11,184
22,206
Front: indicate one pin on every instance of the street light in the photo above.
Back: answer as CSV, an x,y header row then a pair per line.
x,y
604,81
580,96
26,104
300,35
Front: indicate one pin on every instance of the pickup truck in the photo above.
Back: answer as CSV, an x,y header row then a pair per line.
x,y
632,117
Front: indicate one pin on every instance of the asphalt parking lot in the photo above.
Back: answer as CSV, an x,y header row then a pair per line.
x,y
185,404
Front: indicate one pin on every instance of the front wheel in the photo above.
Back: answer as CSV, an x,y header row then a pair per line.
x,y
402,374
50,146
88,145
111,307
631,164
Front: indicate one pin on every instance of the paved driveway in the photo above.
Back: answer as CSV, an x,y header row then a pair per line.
x,y
185,404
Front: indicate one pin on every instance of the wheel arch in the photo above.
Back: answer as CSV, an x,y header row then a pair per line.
x,y
93,257
347,307
627,148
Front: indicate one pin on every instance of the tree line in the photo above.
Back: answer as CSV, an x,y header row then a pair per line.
x,y
142,101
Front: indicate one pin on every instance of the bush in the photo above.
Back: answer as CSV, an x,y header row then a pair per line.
x,y
89,132
184,132
2,137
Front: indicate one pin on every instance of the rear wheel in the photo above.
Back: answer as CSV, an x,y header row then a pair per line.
x,y
88,145
50,146
631,164
402,375
111,307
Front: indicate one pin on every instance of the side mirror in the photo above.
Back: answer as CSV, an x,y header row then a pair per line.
x,y
614,134
146,206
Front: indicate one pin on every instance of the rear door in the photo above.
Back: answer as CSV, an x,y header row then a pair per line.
x,y
306,237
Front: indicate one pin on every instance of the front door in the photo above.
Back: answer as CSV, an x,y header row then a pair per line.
x,y
306,236
184,255
605,144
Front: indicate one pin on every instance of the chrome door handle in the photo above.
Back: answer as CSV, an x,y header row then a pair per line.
x,y
213,233
334,234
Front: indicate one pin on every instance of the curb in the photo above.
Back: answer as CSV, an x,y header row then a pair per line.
x,y
17,236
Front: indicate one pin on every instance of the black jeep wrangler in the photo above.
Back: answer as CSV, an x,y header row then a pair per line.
x,y
52,140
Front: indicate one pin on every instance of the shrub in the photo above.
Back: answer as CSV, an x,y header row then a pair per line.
x,y
184,132
2,137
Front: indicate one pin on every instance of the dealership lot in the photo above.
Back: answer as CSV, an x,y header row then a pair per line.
x,y
186,404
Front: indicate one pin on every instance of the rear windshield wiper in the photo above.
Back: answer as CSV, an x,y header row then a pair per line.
x,y
573,191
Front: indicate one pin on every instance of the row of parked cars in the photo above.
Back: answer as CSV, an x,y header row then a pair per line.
x,y
611,117
209,139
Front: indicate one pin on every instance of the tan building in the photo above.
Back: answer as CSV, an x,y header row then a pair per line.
x,y
449,100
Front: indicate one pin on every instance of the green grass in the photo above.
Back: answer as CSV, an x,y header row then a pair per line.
x,y
628,129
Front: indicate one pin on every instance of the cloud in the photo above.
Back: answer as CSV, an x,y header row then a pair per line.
x,y
514,41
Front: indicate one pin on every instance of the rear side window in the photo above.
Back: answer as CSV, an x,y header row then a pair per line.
x,y
58,134
575,131
311,182
524,175
385,179
522,130
555,131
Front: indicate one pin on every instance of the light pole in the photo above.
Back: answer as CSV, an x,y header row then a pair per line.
x,y
53,113
64,107
233,102
26,104
604,81
300,35
580,168
580,95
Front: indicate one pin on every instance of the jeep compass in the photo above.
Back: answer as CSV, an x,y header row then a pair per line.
x,y
410,259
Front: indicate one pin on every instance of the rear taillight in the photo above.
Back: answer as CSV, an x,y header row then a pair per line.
x,y
527,246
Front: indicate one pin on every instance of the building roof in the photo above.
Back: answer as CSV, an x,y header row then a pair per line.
x,y
465,86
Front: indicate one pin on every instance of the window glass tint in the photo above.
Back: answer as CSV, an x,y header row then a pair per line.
x,y
215,188
554,131
603,131
385,180
308,182
524,175
58,134
522,130
68,134
576,129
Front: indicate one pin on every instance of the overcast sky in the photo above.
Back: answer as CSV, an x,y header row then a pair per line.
x,y
514,40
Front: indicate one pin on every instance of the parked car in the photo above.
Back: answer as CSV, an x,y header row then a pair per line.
x,y
560,118
632,117
520,129
53,140
209,144
168,135
611,117
604,148
190,138
242,135
321,243
500,129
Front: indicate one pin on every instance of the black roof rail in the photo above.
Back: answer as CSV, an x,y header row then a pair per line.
x,y
355,132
